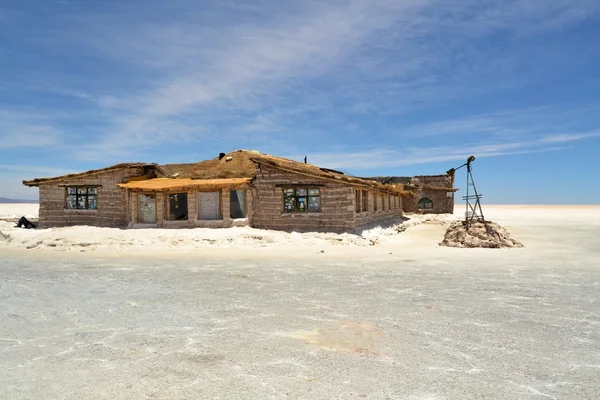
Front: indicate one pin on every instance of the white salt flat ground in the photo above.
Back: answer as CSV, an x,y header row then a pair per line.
x,y
287,321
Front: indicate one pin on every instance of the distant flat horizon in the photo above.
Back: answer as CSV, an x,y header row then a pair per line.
x,y
4,200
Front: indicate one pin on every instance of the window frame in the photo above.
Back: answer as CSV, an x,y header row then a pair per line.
x,y
199,202
167,210
365,201
87,196
375,202
362,201
245,208
425,200
296,196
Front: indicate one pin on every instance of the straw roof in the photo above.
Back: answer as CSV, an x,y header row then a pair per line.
x,y
237,164
325,173
167,184
390,179
235,168
242,164
430,182
38,181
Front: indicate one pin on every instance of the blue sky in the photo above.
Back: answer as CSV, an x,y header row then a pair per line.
x,y
370,87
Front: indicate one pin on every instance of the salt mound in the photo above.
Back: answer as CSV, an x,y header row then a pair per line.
x,y
480,234
5,237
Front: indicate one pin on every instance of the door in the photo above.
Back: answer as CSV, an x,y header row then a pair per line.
x,y
209,205
147,209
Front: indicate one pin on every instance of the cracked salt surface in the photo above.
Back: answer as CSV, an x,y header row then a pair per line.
x,y
424,323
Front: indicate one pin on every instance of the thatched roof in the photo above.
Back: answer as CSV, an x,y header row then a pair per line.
x,y
404,180
242,164
166,184
38,181
325,173
431,182
237,164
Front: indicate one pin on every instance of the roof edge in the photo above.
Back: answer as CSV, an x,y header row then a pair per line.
x,y
38,181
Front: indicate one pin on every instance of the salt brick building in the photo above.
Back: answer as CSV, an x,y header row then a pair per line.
x,y
242,188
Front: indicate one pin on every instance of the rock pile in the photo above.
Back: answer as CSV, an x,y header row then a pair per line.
x,y
480,234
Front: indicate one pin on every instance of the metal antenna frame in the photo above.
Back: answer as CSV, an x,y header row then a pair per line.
x,y
473,210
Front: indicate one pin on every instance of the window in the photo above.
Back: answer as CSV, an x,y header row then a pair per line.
x,y
301,200
177,207
209,206
81,198
425,204
237,204
362,201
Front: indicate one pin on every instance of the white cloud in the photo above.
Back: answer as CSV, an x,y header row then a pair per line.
x,y
228,61
382,158
570,137
39,171
26,130
187,76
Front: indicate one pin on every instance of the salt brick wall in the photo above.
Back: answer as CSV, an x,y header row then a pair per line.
x,y
112,202
337,204
441,202
372,216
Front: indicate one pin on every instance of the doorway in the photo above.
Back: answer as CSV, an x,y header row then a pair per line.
x,y
147,204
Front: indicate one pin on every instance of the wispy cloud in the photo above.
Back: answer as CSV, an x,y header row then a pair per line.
x,y
175,80
26,130
385,158
38,171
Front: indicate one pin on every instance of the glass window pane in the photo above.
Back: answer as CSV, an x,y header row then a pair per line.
x,y
425,203
301,192
71,201
81,202
81,190
71,190
289,204
301,204
177,207
92,190
313,192
288,192
314,204
237,207
92,202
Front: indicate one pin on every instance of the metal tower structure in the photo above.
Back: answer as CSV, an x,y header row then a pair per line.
x,y
472,199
